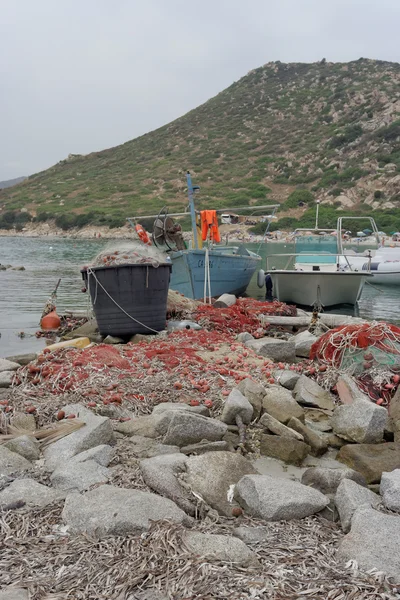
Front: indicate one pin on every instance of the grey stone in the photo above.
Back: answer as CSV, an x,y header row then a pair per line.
x,y
308,392
288,379
161,474
277,350
89,329
144,447
96,431
220,547
349,497
317,444
112,339
203,447
284,448
348,390
211,475
111,511
79,476
11,462
275,426
102,455
274,499
146,426
26,446
390,489
244,337
8,365
333,440
232,439
327,480
254,392
362,421
236,404
373,542
303,342
280,403
148,594
18,268
251,535
371,460
23,422
23,359
14,593
318,419
6,378
27,492
188,428
168,406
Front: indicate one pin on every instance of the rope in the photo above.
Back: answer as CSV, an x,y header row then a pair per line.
x,y
90,272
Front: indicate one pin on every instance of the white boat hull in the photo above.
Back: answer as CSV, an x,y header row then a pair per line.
x,y
327,288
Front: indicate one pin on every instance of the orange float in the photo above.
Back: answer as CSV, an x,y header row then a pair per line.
x,y
50,322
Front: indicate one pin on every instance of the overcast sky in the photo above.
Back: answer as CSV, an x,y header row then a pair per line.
x,y
83,75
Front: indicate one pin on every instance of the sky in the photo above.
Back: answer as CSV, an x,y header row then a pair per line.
x,y
83,75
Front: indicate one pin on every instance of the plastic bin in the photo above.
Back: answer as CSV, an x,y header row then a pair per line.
x,y
129,299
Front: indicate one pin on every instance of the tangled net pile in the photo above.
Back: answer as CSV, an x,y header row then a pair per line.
x,y
242,316
370,352
128,254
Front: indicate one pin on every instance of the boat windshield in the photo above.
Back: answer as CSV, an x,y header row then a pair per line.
x,y
316,246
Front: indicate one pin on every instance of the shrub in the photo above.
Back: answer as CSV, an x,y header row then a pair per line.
x,y
378,194
298,196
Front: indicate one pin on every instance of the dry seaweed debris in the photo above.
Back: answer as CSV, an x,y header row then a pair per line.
x,y
297,561
45,435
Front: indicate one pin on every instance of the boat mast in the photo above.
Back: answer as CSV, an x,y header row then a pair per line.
x,y
191,190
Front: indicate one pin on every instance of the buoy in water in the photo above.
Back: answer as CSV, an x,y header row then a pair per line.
x,y
50,322
261,278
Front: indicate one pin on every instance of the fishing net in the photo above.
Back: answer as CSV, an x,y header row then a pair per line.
x,y
130,253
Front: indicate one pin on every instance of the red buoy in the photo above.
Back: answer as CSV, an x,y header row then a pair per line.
x,y
50,322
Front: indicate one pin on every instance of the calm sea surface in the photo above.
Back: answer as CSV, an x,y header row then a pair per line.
x,y
24,293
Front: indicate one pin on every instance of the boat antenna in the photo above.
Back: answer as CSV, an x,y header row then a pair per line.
x,y
191,189
267,228
316,215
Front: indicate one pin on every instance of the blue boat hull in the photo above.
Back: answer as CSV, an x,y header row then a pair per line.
x,y
230,271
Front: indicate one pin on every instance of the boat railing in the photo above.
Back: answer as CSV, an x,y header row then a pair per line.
x,y
336,256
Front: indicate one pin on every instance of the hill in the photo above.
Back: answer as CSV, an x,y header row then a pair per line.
x,y
323,130
10,182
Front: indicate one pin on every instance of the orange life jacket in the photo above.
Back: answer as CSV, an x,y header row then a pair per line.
x,y
209,224
142,233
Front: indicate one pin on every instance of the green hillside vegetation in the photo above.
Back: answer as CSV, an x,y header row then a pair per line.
x,y
284,133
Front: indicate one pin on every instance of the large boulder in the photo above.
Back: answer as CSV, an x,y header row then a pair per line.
x,y
23,359
390,489
273,348
251,535
373,542
144,447
371,460
274,499
27,492
327,480
284,448
349,497
189,428
75,476
102,455
303,342
280,403
6,378
203,447
149,426
96,431
361,421
12,463
317,444
288,379
275,426
161,474
254,393
211,476
348,390
236,405
26,446
220,547
308,392
163,407
8,365
111,511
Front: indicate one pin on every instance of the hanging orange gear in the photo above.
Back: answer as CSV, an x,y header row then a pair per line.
x,y
209,224
143,235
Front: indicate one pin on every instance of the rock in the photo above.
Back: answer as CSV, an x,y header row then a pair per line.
x,y
211,476
371,460
251,535
23,359
327,480
146,426
8,365
254,392
277,350
390,489
303,342
14,593
102,455
280,404
348,390
144,447
161,473
11,462
97,431
6,378
219,547
288,379
111,511
111,339
284,448
23,422
26,446
333,440
244,337
27,492
203,447
317,444
236,404
362,421
168,406
318,419
274,499
147,594
308,392
17,268
79,476
350,496
394,409
143,337
188,428
232,439
89,329
373,542
275,426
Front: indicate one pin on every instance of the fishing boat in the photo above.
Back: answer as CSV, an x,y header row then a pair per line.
x,y
201,272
